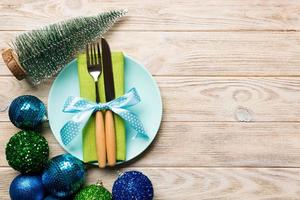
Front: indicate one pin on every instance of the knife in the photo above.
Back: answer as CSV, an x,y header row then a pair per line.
x,y
109,95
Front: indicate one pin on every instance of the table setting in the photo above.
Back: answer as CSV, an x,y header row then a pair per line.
x,y
104,108
149,100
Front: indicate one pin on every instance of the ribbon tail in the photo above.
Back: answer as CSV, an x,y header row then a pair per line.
x,y
69,131
74,127
132,120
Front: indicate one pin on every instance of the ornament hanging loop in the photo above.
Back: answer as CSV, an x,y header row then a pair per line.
x,y
99,183
120,173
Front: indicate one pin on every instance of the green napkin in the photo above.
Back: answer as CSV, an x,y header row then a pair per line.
x,y
87,90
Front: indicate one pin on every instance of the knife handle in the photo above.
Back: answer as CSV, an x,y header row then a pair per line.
x,y
100,140
110,138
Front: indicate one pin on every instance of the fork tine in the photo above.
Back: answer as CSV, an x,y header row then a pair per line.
x,y
99,56
91,54
95,55
87,55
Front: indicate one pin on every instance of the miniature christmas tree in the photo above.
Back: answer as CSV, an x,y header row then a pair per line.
x,y
42,53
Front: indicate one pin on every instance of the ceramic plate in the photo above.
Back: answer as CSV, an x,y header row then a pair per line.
x,y
149,110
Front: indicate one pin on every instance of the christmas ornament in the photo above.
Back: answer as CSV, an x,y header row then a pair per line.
x,y
132,185
94,192
55,198
64,175
27,187
27,152
27,112
42,53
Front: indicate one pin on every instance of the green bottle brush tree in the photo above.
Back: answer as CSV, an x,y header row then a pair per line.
x,y
42,53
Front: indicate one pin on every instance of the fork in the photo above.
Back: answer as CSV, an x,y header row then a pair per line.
x,y
94,66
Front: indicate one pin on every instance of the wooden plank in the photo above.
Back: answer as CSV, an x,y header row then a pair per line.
x,y
230,99
196,15
255,99
202,54
195,144
201,183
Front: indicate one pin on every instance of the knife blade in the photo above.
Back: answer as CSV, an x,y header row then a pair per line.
x,y
109,86
108,71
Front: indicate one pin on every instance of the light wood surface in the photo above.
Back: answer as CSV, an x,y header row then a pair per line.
x,y
229,75
198,98
233,53
207,144
176,15
204,183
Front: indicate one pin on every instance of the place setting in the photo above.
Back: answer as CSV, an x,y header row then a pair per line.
x,y
104,108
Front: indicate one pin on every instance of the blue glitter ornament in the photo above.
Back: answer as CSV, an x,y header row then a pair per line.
x,y
27,187
132,185
27,112
52,198
64,175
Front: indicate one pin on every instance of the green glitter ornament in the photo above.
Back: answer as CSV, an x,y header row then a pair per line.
x,y
27,152
94,192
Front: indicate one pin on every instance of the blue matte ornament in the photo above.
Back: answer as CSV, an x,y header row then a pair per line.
x,y
27,187
27,112
132,185
64,175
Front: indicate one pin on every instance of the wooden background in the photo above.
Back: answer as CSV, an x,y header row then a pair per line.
x,y
218,64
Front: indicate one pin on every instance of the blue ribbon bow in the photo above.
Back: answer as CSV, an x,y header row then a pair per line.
x,y
84,109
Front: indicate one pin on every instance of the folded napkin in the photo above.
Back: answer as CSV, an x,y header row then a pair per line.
x,y
87,90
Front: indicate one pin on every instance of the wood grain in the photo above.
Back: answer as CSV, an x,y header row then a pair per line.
x,y
193,15
196,144
204,54
218,64
202,183
255,99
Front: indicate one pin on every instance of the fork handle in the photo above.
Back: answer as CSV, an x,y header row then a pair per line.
x,y
100,140
110,138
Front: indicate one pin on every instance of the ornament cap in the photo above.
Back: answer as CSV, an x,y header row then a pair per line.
x,y
120,173
99,183
12,62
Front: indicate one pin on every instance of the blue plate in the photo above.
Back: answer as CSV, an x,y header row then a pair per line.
x,y
149,110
